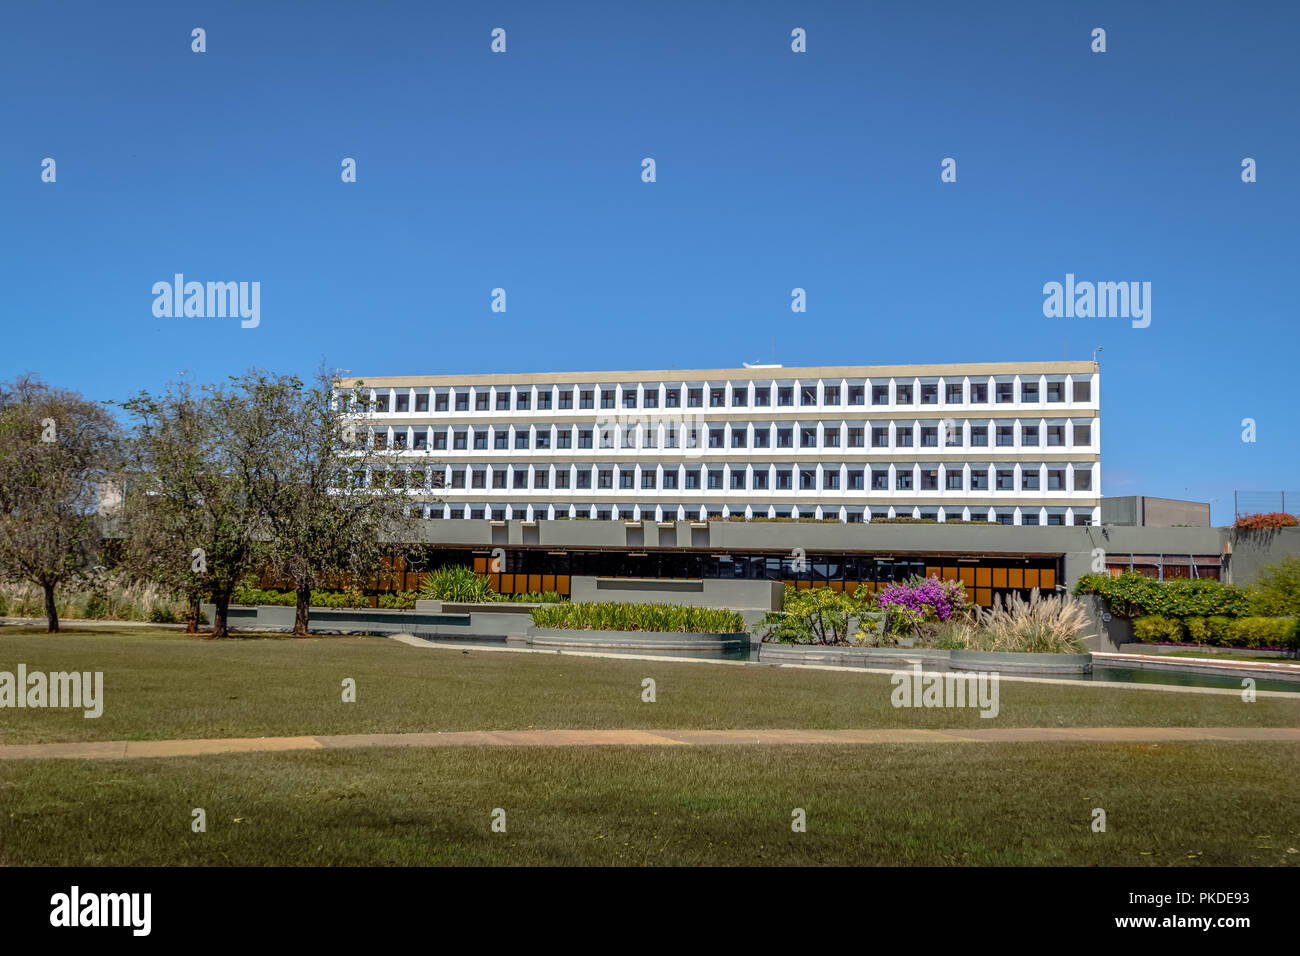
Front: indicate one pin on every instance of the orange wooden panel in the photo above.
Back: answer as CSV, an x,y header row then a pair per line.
x,y
1047,578
970,595
803,585
548,582
1015,577
480,565
819,584
507,584
931,572
789,584
495,581
983,597
837,586
950,574
562,583
967,575
534,582
999,577
983,578
1031,577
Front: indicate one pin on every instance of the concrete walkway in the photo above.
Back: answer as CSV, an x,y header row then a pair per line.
x,y
642,738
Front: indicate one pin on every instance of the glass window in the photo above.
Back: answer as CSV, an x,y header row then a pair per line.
x,y
857,395
785,395
762,396
879,394
1083,392
979,394
1029,391
903,394
1006,392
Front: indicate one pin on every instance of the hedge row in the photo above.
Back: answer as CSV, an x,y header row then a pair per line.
x,y
1219,631
1135,595
638,617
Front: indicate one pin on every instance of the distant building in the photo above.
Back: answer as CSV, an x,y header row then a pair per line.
x,y
1145,512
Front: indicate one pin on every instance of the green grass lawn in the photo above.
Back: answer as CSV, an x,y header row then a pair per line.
x,y
988,804
160,685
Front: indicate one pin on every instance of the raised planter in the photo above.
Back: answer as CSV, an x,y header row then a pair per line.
x,y
848,655
647,640
1004,661
1206,651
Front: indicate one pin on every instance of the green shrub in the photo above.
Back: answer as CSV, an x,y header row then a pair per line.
x,y
1209,630
1135,595
457,583
1156,629
397,600
1276,592
1264,632
638,617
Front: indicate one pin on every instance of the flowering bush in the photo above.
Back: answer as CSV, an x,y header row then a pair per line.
x,y
916,601
1273,519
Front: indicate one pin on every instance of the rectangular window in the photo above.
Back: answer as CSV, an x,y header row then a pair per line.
x,y
566,398
584,478
629,398
857,480
458,478
544,439
785,395
462,401
879,479
785,438
1029,434
807,479
440,441
498,479
1082,480
562,478
1006,436
647,479
586,399
808,395
979,436
1056,479
1006,480
903,481
953,394
403,403
903,394
421,439
1083,435
762,437
519,478
584,438
1006,392
480,402
422,403
929,479
540,479
979,394
460,441
670,480
930,394
879,394
737,481
607,398
929,436
501,441
952,481
1056,519
522,400
831,436
652,399
605,479
739,396
879,437
716,397
903,437
480,441
521,439
1083,391
738,437
832,479
716,436
1005,517
857,395
783,479
762,397
979,480
1028,518
1056,391
1029,481
808,438
564,438
1055,435
503,402
672,398
831,395
714,479
694,397
692,480
440,402
857,437
1028,391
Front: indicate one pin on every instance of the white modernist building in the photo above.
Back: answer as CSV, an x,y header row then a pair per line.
x,y
1015,443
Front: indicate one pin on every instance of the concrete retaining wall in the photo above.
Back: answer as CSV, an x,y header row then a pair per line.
x,y
689,592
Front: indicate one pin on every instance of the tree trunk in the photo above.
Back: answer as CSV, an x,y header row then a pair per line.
x,y
192,616
302,611
222,601
51,612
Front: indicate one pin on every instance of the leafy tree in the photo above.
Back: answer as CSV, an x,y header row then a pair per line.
x,y
56,448
332,494
195,487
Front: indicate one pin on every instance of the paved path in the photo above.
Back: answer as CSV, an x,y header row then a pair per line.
x,y
642,738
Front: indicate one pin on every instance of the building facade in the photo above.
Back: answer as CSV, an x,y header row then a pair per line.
x,y
1009,443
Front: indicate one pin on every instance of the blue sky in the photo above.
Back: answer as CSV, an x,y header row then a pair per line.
x,y
775,170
